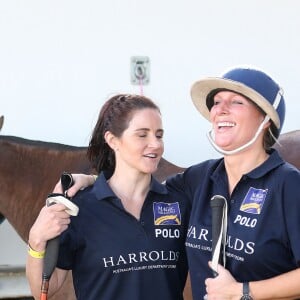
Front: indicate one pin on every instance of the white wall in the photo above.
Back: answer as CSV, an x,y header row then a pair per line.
x,y
60,59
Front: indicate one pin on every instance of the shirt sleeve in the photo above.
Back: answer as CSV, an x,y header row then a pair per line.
x,y
66,255
291,205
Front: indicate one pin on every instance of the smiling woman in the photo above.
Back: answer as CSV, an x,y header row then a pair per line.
x,y
126,203
20,201
246,109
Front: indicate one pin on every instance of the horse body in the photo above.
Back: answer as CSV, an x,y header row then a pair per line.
x,y
289,147
29,171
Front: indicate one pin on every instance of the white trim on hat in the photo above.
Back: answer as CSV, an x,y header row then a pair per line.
x,y
201,89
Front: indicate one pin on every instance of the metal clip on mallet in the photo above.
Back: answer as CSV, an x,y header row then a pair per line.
x,y
52,246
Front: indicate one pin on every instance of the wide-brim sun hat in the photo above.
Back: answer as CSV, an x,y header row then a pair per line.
x,y
250,82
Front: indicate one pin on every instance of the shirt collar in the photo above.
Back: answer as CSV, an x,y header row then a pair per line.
x,y
102,190
274,160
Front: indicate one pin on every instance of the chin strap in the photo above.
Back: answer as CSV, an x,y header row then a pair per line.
x,y
230,152
210,134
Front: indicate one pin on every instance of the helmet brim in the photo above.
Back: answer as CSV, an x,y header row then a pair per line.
x,y
202,88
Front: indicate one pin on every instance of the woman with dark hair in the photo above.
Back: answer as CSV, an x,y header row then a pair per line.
x,y
130,230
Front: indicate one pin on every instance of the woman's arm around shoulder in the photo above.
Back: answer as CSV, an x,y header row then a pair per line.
x,y
81,181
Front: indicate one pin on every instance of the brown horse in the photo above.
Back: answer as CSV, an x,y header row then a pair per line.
x,y
30,169
289,147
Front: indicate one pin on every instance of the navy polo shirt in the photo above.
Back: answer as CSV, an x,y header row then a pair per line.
x,y
113,255
263,238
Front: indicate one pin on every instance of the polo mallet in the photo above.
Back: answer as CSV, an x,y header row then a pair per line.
x,y
52,246
218,206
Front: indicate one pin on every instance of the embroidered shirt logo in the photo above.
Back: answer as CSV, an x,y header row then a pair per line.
x,y
254,201
166,213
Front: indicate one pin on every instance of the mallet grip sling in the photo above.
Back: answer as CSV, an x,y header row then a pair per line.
x,y
52,246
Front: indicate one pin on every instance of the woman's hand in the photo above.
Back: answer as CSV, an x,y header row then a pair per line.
x,y
51,222
223,287
81,181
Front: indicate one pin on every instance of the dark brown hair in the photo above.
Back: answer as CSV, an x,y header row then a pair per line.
x,y
270,136
114,116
